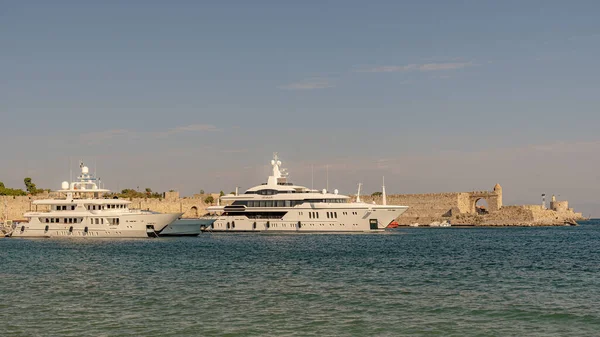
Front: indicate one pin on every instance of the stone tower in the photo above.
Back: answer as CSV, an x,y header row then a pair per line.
x,y
497,201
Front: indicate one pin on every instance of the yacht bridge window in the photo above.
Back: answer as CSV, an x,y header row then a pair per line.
x,y
269,203
257,215
268,192
333,201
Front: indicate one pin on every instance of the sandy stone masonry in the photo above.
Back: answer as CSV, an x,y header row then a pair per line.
x,y
459,208
171,203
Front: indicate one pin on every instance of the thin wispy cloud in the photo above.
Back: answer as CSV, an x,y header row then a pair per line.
x,y
416,67
98,137
441,77
326,82
194,127
565,147
187,128
584,37
233,151
457,157
309,84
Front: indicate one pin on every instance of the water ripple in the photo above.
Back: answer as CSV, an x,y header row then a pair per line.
x,y
416,281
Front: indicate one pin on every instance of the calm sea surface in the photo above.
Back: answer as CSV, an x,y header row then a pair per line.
x,y
412,281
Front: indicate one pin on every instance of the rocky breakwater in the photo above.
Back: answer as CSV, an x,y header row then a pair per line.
x,y
460,208
524,215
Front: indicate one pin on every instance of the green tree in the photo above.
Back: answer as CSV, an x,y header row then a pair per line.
x,y
221,194
376,194
209,200
10,191
201,191
30,186
131,193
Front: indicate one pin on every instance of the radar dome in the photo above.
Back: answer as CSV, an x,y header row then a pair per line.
x,y
65,185
324,191
85,170
335,191
279,162
272,162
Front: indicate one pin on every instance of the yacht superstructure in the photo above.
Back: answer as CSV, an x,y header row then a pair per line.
x,y
279,205
82,211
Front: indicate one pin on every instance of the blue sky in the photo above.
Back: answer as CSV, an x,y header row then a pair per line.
x,y
435,95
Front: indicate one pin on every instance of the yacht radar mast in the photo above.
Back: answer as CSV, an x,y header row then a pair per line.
x,y
279,174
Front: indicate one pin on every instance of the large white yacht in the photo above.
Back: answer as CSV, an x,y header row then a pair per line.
x,y
279,205
82,211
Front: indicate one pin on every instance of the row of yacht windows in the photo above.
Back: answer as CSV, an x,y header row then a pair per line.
x,y
284,203
61,220
64,207
330,201
100,221
268,192
103,207
273,192
270,203
315,215
97,221
89,207
268,225
257,215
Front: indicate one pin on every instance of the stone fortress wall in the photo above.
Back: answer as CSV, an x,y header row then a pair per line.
x,y
459,208
14,207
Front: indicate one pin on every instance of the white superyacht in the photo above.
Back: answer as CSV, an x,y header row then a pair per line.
x,y
82,211
279,205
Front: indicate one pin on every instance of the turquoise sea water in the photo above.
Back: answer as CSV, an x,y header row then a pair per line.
x,y
411,281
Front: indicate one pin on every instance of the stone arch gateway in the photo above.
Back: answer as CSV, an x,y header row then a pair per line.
x,y
492,198
194,211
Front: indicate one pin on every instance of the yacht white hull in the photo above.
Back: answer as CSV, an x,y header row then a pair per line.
x,y
130,226
186,227
281,206
351,217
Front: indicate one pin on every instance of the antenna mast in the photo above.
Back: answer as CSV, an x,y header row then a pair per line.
x,y
327,177
383,192
312,176
358,193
